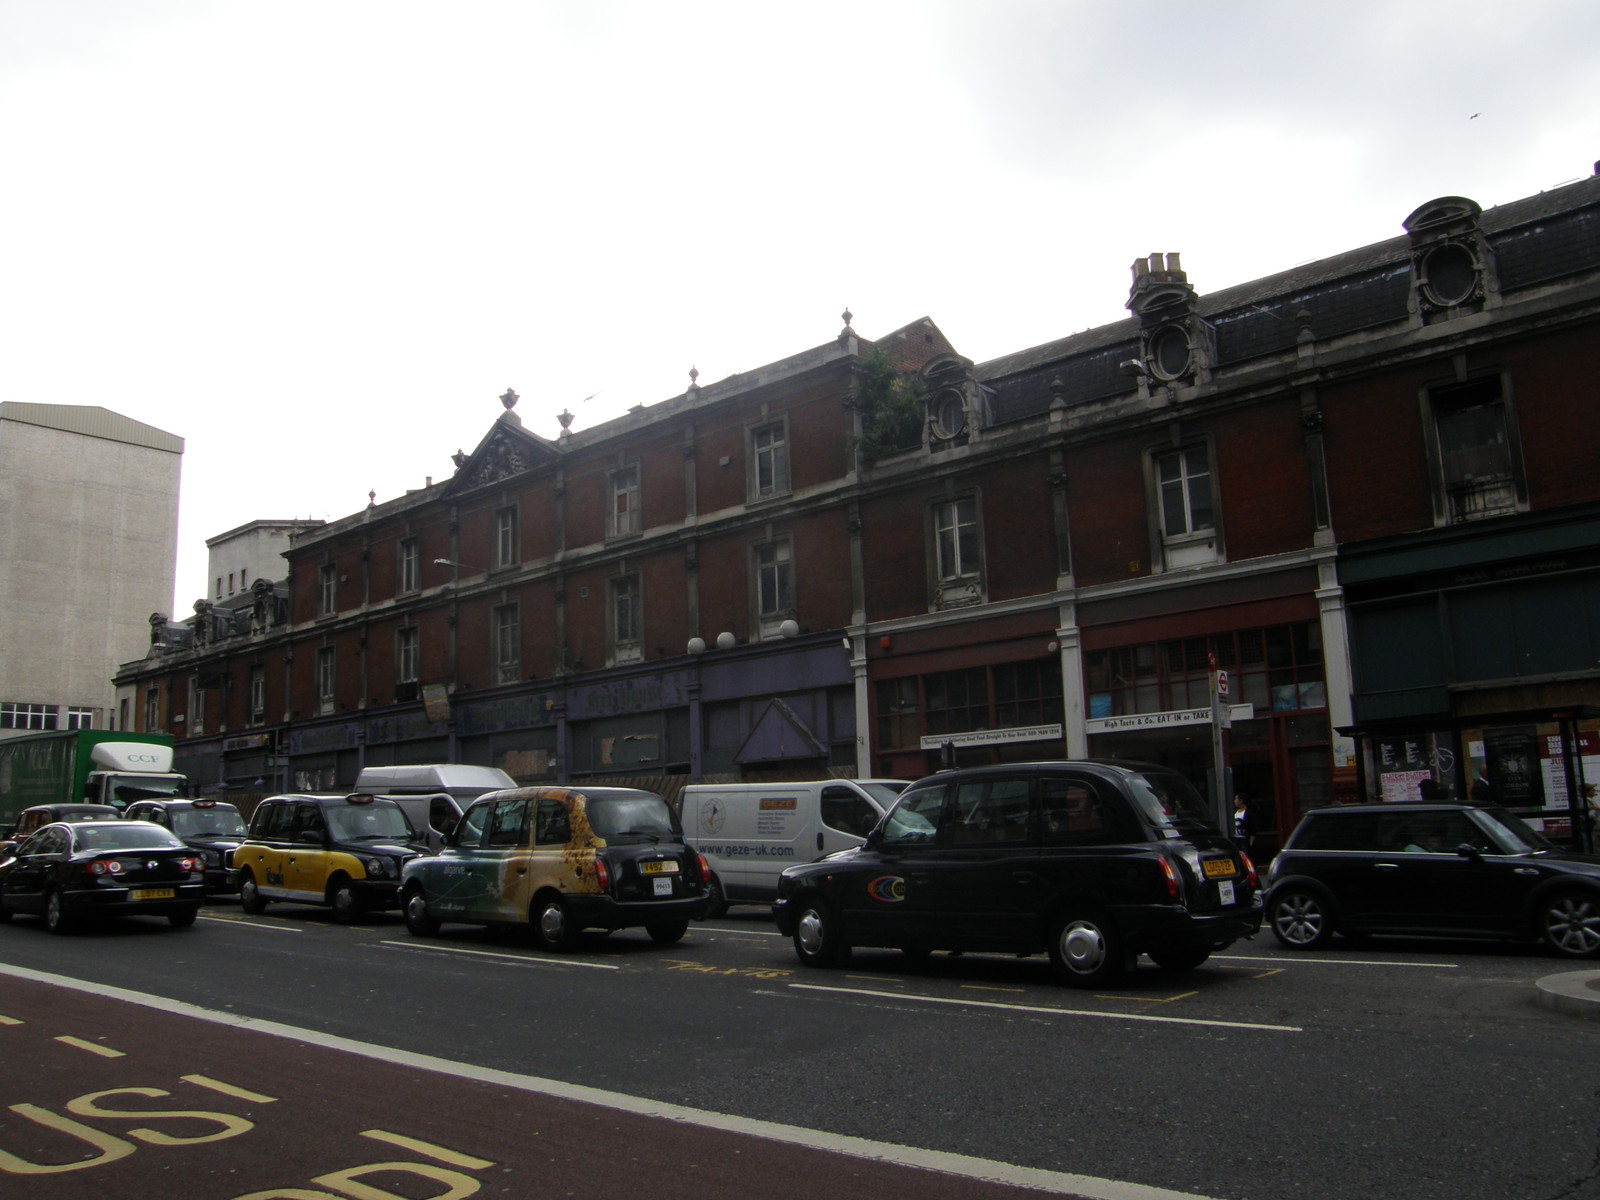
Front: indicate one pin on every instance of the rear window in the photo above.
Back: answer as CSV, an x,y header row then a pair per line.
x,y
1168,800
1337,831
134,835
619,818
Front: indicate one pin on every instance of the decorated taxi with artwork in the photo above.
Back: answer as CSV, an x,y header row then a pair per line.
x,y
344,852
559,861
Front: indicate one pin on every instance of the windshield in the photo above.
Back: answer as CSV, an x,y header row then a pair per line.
x,y
614,817
130,791
1168,799
376,822
134,835
207,822
884,793
1512,834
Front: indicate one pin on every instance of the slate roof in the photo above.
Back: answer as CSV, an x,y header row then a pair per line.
x,y
1535,240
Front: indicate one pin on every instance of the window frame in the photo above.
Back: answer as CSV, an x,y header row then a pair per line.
x,y
408,566
505,536
257,698
954,531
327,590
407,654
1499,494
771,459
774,558
505,632
1199,541
625,616
622,505
326,680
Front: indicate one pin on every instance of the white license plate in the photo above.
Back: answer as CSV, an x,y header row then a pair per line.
x,y
663,885
152,894
1225,891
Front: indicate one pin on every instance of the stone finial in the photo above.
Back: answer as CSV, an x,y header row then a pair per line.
x,y
565,418
694,380
372,499
509,399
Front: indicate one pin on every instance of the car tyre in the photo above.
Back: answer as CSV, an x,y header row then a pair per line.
x,y
1569,923
553,926
718,905
345,903
1300,918
415,907
664,933
1086,950
818,939
56,917
1180,958
183,918
250,898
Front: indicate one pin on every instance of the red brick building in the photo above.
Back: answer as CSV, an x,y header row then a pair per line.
x,y
1363,490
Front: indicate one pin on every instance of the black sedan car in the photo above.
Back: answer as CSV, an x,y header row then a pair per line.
x,y
1431,870
1091,862
213,829
65,872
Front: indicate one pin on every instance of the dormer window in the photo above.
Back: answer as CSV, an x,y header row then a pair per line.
x,y
1451,264
1449,275
949,415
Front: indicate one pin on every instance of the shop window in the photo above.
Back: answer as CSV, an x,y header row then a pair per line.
x,y
957,701
899,714
1027,694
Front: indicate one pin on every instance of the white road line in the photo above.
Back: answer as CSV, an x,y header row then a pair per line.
x,y
1281,961
524,959
1040,1008
1059,1183
241,923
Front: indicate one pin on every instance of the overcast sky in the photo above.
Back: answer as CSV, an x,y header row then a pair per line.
x,y
317,239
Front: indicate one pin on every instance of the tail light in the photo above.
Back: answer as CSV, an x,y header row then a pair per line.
x,y
705,869
104,866
602,874
194,866
1172,878
1249,869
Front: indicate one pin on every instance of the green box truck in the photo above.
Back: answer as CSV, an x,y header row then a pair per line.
x,y
85,766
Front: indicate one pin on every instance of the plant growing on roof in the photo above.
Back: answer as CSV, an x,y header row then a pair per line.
x,y
890,404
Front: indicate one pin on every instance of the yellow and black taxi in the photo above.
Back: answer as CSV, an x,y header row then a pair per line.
x,y
1091,862
71,870
558,860
344,852
213,829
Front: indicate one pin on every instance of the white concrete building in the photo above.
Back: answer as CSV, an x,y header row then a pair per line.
x,y
88,549
239,557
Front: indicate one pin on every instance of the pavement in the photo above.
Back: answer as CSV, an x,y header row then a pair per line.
x,y
1574,992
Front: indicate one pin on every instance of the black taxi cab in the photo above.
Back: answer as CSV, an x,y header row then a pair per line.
x,y
559,860
340,851
1091,862
213,829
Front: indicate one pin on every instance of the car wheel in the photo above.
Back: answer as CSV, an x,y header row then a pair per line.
x,y
719,902
818,940
1185,958
418,922
250,898
56,919
1086,951
346,907
1570,924
666,932
552,924
184,917
1300,919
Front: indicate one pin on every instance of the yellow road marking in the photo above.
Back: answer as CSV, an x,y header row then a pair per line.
x,y
228,1089
5,1020
978,987
1149,999
91,1047
454,1157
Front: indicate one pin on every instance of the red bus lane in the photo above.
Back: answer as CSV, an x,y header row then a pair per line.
x,y
107,1093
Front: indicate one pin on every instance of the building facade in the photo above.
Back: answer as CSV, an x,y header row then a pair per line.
x,y
88,536
1357,495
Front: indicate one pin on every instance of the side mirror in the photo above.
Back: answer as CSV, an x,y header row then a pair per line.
x,y
447,837
310,837
1468,850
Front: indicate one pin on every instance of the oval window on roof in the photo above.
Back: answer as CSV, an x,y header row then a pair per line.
x,y
1169,353
1450,274
949,414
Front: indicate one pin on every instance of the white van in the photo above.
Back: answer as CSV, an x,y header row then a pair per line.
x,y
433,795
749,832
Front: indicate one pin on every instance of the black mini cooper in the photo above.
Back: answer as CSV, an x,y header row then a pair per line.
x,y
1091,862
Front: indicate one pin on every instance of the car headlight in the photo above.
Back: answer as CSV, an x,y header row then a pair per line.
x,y
378,868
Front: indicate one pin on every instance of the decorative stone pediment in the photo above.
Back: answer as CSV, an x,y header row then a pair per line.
x,y
506,450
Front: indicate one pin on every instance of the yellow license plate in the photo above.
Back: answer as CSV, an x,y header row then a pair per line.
x,y
659,868
1219,868
152,894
